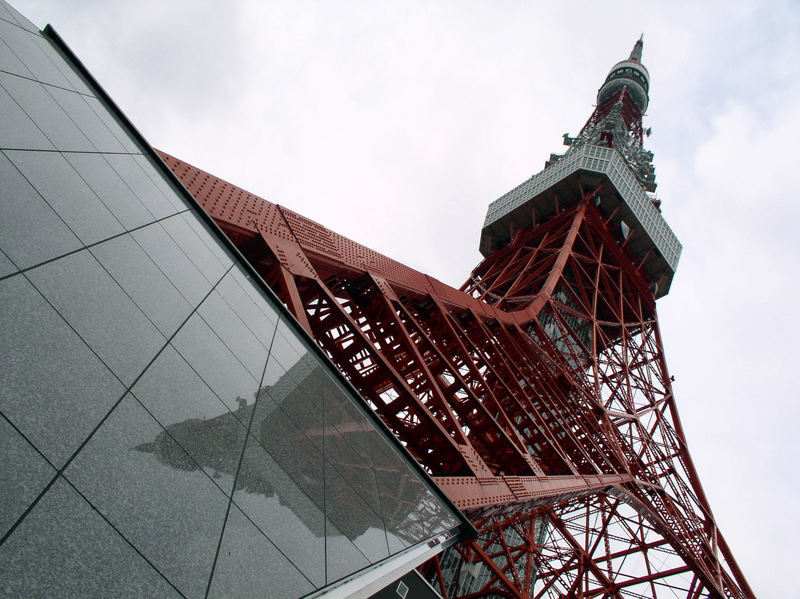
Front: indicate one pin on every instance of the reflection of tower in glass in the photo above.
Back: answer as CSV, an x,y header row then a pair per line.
x,y
215,443
299,418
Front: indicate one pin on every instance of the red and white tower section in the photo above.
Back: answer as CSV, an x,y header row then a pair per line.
x,y
537,395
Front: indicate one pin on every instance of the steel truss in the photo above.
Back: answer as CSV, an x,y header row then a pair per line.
x,y
537,396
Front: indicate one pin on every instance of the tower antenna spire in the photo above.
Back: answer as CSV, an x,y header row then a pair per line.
x,y
636,53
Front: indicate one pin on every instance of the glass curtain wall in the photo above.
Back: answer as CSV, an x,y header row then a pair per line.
x,y
165,429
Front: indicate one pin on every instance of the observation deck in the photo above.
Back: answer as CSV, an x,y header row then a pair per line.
x,y
621,197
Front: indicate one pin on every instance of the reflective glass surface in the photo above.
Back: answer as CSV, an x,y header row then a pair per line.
x,y
249,350
249,565
112,124
75,81
341,556
350,503
95,306
18,130
18,18
165,427
128,169
8,60
23,475
6,266
410,509
37,100
37,64
219,368
143,482
193,416
196,243
173,262
282,511
65,549
110,188
66,193
241,298
92,127
140,278
167,189
30,230
54,388
5,13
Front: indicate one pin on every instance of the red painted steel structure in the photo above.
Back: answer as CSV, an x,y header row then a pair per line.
x,y
537,395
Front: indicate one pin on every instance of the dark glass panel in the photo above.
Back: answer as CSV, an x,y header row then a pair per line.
x,y
349,439
61,187
16,16
250,566
27,48
346,508
350,478
5,13
241,297
394,509
6,266
194,416
23,475
76,81
55,389
30,231
141,279
212,263
288,345
172,195
18,130
92,126
283,512
217,366
173,262
275,371
154,494
304,405
63,548
341,556
102,314
209,239
112,124
293,435
45,112
8,60
291,380
237,290
412,512
236,336
351,491
141,185
289,445
113,192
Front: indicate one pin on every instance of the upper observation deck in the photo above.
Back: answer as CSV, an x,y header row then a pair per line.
x,y
621,197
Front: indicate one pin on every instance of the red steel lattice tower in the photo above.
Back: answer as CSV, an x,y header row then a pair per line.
x,y
537,396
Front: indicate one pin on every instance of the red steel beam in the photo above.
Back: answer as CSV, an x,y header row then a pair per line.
x,y
470,493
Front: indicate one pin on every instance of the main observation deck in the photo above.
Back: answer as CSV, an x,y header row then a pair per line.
x,y
621,197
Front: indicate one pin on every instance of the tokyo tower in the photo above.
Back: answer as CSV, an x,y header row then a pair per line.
x,y
537,395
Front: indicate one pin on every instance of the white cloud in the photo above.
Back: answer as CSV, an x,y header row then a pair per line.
x,y
731,337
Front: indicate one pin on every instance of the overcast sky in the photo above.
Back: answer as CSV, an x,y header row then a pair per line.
x,y
396,123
